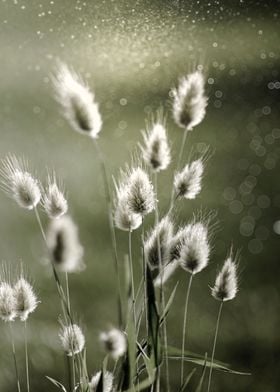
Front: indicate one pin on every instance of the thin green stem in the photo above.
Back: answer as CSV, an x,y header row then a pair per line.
x,y
214,345
144,272
184,328
69,372
73,371
26,357
131,275
14,356
172,199
108,197
162,296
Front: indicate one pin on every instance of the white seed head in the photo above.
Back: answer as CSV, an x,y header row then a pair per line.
x,y
189,105
54,201
140,192
114,343
187,183
156,151
26,300
226,286
72,339
157,244
18,183
77,101
125,219
195,248
7,302
64,245
107,381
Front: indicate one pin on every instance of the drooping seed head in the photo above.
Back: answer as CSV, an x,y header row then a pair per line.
x,y
77,101
72,339
195,248
226,287
156,151
64,245
54,201
106,379
7,302
157,244
114,343
18,183
189,105
187,183
26,300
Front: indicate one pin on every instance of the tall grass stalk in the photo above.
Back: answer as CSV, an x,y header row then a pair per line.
x,y
184,328
26,357
214,345
172,200
111,223
14,356
131,275
162,296
144,273
67,291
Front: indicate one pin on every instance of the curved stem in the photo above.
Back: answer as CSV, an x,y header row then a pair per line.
x,y
184,328
26,357
172,199
214,345
144,272
111,222
14,355
131,275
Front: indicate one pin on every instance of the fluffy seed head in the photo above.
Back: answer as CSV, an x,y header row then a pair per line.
x,y
124,218
72,339
18,183
140,192
54,201
195,248
156,151
64,245
157,244
7,302
77,101
26,300
114,342
189,105
107,381
187,183
225,287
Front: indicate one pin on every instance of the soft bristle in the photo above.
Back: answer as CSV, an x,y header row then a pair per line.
x,y
226,287
77,101
189,105
72,339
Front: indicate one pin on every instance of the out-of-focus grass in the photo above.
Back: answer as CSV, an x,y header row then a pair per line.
x,y
132,58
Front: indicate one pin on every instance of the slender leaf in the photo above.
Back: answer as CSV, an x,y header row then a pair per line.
x,y
216,366
200,384
169,303
57,384
188,379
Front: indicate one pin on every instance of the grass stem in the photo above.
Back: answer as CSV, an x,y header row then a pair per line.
x,y
26,357
14,356
214,345
108,197
184,328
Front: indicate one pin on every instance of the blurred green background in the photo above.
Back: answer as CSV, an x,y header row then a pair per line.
x,y
131,54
